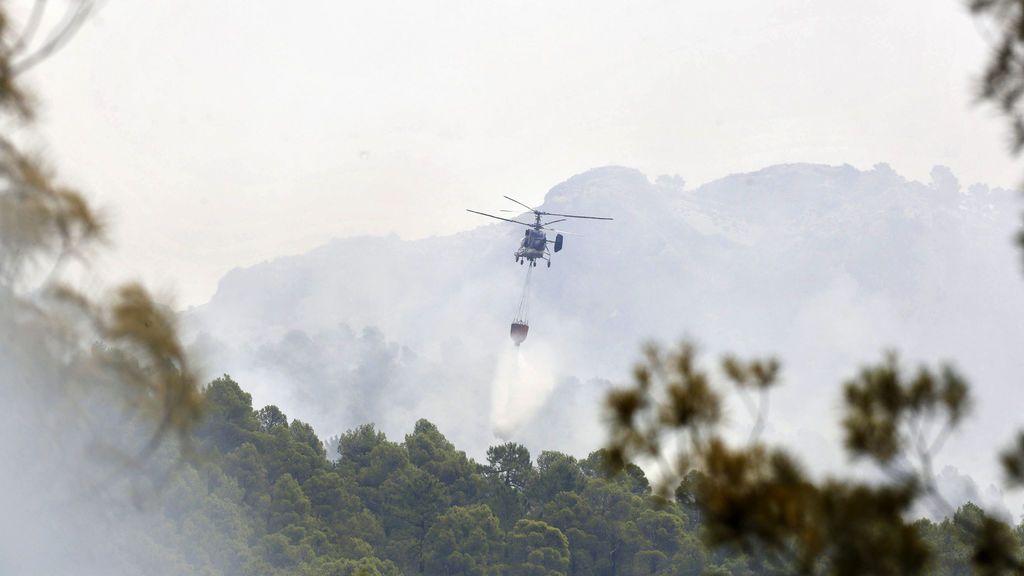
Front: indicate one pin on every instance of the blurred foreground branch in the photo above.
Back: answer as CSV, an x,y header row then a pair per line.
x,y
758,498
127,340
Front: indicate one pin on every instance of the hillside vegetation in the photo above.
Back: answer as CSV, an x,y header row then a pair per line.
x,y
268,498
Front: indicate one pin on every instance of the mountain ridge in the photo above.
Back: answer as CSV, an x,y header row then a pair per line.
x,y
824,266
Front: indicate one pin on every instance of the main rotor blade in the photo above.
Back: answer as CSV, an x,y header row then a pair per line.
x,y
575,216
521,204
500,218
563,232
553,221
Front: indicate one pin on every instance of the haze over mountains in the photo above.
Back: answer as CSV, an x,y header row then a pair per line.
x,y
824,266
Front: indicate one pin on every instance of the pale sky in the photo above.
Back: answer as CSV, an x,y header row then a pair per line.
x,y
221,133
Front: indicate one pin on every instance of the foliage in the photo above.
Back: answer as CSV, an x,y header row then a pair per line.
x,y
1002,82
46,225
757,499
268,501
419,507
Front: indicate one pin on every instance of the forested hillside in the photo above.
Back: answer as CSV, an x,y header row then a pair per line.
x,y
268,498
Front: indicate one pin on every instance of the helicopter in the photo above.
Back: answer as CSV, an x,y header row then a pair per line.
x,y
534,245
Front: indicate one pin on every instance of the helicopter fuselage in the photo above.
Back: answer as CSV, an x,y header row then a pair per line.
x,y
533,245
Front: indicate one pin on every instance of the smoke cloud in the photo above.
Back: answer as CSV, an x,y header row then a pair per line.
x,y
521,387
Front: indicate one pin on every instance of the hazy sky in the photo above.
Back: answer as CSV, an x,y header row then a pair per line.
x,y
220,133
